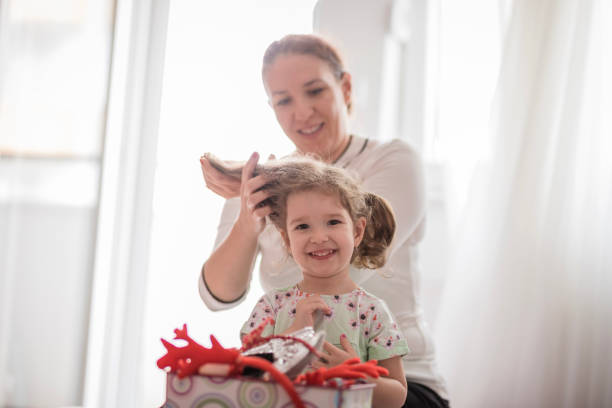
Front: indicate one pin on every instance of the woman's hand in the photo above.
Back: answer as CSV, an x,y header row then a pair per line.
x,y
219,183
252,216
334,355
305,310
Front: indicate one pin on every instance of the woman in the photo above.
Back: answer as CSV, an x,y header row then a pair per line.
x,y
311,96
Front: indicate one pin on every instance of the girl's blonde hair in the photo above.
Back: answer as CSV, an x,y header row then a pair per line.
x,y
304,173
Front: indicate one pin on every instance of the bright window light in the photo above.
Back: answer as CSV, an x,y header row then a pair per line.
x,y
213,101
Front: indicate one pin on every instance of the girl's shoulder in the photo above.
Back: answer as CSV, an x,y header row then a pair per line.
x,y
365,294
360,296
281,295
372,302
292,288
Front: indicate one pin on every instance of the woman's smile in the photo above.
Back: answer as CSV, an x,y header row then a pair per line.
x,y
310,131
309,103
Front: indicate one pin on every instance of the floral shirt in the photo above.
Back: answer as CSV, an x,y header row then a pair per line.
x,y
364,318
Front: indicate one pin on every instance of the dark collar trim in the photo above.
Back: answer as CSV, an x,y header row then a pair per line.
x,y
365,143
345,149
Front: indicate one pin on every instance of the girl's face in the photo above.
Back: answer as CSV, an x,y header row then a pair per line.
x,y
310,103
320,235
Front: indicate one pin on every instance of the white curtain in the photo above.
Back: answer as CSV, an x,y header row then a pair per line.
x,y
526,317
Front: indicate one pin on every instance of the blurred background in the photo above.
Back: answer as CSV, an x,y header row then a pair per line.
x,y
105,221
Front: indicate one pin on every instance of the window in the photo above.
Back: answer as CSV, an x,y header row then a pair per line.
x,y
54,63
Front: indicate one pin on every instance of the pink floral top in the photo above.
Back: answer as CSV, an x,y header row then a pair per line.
x,y
364,318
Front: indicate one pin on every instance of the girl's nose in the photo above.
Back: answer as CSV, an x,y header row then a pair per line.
x,y
319,236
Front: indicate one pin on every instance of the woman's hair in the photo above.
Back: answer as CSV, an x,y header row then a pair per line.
x,y
303,173
306,44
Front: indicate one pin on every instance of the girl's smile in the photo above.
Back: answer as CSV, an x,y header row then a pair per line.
x,y
321,236
322,254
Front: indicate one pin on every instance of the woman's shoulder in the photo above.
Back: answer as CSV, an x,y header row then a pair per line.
x,y
388,159
391,149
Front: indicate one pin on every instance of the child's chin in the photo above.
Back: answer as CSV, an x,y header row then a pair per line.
x,y
319,274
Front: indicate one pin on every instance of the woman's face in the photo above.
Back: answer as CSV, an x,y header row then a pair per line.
x,y
310,103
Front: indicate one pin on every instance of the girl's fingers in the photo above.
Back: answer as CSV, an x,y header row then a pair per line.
x,y
318,364
330,348
316,303
322,306
346,345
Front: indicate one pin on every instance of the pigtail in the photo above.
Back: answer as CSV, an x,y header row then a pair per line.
x,y
231,169
380,228
271,168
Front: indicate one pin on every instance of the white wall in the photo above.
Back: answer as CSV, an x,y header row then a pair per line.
x,y
358,28
384,44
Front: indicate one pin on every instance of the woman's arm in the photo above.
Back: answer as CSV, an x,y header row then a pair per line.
x,y
391,390
226,273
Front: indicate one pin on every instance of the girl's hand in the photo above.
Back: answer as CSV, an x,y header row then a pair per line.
x,y
334,355
305,310
219,183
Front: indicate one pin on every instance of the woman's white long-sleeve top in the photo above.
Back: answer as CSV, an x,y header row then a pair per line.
x,y
394,171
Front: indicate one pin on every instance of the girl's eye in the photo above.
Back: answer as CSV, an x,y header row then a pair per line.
x,y
301,226
283,102
334,222
315,91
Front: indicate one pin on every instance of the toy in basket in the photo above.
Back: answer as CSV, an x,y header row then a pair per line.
x,y
264,372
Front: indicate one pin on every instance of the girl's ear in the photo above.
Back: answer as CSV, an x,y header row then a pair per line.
x,y
360,226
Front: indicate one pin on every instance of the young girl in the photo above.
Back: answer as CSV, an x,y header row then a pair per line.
x,y
327,224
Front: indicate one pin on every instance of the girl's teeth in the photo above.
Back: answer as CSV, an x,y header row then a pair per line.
x,y
322,253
